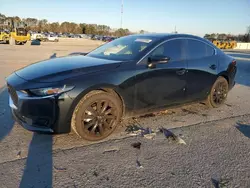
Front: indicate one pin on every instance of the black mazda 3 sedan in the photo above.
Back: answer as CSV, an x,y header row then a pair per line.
x,y
129,76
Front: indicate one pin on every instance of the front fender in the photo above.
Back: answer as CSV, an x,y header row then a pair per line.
x,y
121,82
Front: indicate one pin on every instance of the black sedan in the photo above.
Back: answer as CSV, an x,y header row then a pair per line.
x,y
129,76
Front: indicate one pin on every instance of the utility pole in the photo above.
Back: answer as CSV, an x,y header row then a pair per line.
x,y
121,12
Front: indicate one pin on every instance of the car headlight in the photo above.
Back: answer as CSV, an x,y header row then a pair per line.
x,y
51,90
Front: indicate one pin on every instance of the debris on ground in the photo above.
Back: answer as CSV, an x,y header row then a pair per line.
x,y
189,111
111,150
19,154
60,169
148,133
148,115
132,128
177,120
163,112
95,173
229,105
170,135
220,183
135,130
136,145
138,164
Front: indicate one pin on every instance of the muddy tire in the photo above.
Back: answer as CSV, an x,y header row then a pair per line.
x,y
218,93
97,115
12,41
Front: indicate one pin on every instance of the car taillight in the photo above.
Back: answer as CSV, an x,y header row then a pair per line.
x,y
234,63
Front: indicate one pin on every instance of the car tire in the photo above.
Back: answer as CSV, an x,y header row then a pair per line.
x,y
97,115
218,93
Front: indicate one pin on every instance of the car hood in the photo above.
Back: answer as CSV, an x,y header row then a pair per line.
x,y
58,69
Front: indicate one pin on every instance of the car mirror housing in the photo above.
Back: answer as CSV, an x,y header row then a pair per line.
x,y
153,61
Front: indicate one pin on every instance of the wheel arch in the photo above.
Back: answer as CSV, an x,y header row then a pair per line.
x,y
225,75
100,87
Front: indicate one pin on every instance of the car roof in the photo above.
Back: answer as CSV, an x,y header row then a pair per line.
x,y
167,35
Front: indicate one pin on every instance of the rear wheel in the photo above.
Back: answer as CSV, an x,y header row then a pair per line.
x,y
97,115
218,93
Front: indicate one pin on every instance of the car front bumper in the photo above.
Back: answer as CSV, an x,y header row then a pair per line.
x,y
41,114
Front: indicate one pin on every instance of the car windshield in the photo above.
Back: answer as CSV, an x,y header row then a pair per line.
x,y
125,48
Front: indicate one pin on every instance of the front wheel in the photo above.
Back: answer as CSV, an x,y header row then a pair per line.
x,y
218,93
97,115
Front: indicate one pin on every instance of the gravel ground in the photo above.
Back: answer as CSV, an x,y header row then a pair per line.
x,y
215,148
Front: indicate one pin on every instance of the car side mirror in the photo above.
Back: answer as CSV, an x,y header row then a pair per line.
x,y
153,61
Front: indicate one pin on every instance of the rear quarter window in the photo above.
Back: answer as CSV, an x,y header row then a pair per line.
x,y
197,49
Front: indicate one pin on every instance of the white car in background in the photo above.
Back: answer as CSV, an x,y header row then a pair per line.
x,y
37,36
52,38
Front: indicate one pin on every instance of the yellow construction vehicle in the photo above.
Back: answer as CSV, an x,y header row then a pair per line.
x,y
4,37
233,44
223,44
18,34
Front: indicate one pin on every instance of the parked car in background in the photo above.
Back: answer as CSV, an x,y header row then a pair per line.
x,y
109,39
126,77
38,36
52,38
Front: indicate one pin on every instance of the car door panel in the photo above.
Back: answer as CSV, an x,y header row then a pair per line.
x,y
202,69
161,86
200,77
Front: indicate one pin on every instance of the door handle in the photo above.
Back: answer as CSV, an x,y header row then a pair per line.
x,y
213,67
181,71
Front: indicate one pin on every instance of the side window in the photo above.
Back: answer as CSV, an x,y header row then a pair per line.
x,y
197,49
210,51
172,49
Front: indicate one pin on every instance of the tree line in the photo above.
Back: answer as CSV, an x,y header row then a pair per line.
x,y
33,24
222,36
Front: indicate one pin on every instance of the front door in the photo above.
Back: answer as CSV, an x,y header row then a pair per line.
x,y
164,84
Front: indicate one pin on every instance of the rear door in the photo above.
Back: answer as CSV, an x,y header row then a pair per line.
x,y
202,68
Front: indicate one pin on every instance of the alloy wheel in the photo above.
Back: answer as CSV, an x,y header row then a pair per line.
x,y
219,93
98,118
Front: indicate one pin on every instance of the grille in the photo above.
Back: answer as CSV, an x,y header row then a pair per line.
x,y
13,94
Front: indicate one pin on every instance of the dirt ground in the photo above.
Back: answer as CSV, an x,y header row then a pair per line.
x,y
67,161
